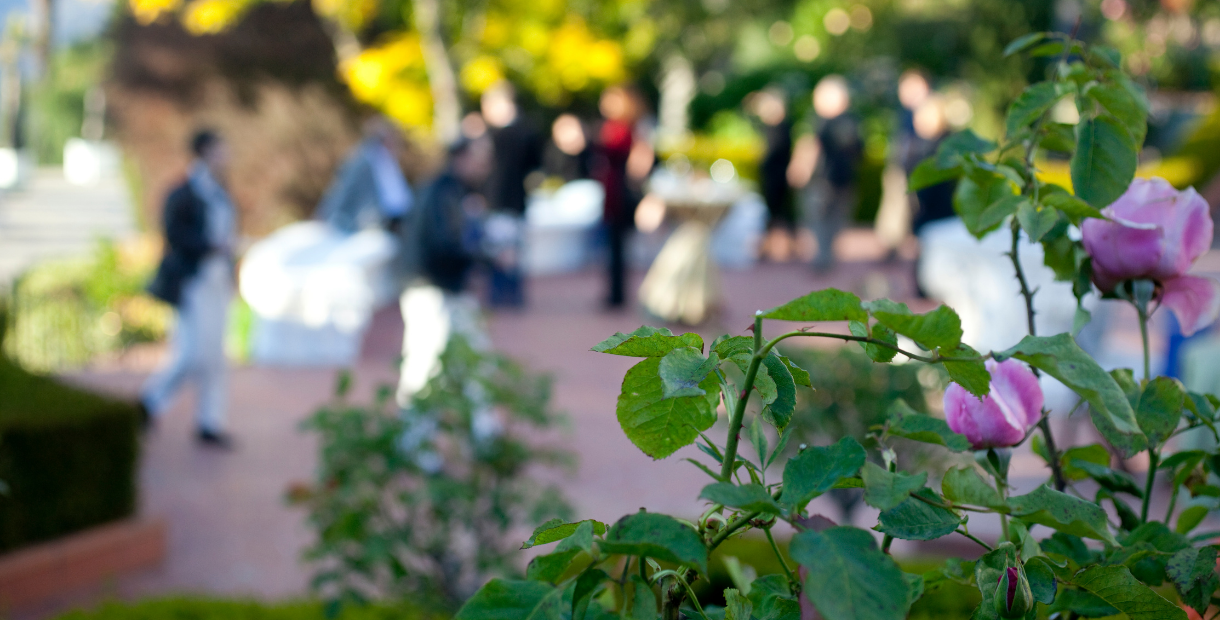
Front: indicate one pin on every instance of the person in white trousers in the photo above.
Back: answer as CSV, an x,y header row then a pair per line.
x,y
196,276
445,238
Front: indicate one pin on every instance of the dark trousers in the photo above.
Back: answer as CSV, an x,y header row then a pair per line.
x,y
617,264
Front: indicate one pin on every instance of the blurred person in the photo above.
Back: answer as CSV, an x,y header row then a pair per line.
x,y
893,221
832,165
623,161
196,277
772,110
370,190
568,155
447,239
518,151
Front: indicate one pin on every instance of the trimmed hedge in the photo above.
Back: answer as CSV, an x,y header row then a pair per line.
x,y
67,457
218,609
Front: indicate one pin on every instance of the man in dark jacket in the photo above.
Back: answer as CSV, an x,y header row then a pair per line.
x,y
518,152
196,277
447,240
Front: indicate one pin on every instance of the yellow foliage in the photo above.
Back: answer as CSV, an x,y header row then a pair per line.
x,y
392,78
1178,170
353,14
212,16
481,73
147,11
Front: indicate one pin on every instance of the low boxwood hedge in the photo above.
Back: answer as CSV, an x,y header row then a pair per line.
x,y
67,457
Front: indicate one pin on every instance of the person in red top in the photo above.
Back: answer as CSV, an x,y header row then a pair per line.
x,y
622,162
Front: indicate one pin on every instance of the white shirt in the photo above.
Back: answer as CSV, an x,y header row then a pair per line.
x,y
221,218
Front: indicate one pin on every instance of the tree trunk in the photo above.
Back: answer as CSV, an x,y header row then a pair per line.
x,y
446,105
677,91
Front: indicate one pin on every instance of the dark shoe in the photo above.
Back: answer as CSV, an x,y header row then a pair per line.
x,y
214,439
146,418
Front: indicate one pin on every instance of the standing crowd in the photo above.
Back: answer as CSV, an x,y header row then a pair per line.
x,y
471,215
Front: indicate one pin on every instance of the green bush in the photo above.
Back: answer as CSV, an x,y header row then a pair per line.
x,y
214,609
67,458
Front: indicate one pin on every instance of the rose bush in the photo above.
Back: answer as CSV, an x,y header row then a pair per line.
x,y
1155,232
642,566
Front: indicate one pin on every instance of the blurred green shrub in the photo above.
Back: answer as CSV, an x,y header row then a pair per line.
x,y
67,458
66,312
424,504
221,609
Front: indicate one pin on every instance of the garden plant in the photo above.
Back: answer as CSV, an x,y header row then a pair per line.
x,y
1088,542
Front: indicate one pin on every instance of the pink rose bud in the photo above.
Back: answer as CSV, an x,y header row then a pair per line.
x,y
1156,232
1001,418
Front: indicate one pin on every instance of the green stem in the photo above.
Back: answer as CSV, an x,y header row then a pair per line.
x,y
1173,502
739,412
1147,350
782,562
929,359
1154,459
729,529
887,540
975,539
1001,484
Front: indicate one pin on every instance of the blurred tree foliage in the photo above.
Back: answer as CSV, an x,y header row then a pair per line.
x,y
58,102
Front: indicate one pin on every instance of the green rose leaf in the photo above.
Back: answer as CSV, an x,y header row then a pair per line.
x,y
1190,518
1074,208
909,424
938,328
956,146
1081,603
736,606
1093,453
1041,579
876,352
815,470
1024,42
748,497
647,342
800,376
1118,588
1036,222
824,305
779,410
1160,408
1104,162
928,173
914,519
657,425
643,600
656,536
552,566
964,486
1114,481
683,369
1030,105
558,529
1193,571
1124,107
587,585
1062,512
884,489
983,199
971,375
1060,357
849,578
505,599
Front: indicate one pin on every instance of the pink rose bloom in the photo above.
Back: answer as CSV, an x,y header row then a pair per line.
x,y
1155,232
1001,418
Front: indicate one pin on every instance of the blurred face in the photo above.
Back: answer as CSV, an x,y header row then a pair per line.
x,y
769,108
473,166
831,97
930,120
614,104
912,89
499,109
216,157
568,135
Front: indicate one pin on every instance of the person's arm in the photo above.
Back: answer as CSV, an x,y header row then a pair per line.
x,y
804,161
